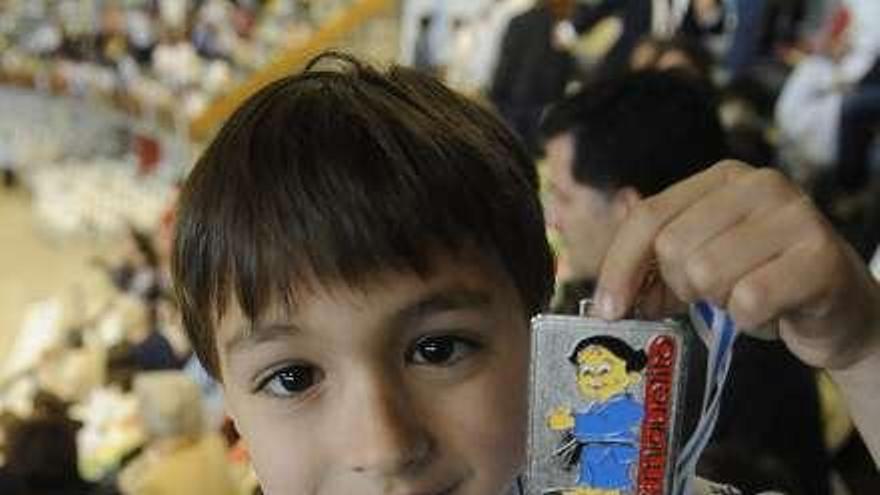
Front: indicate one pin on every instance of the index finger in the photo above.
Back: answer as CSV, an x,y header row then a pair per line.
x,y
632,249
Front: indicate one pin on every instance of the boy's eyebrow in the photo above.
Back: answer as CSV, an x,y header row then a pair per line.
x,y
250,335
436,302
444,300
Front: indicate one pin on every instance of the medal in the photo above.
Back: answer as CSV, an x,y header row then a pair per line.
x,y
606,405
606,409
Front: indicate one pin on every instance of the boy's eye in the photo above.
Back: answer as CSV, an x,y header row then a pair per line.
x,y
290,381
440,351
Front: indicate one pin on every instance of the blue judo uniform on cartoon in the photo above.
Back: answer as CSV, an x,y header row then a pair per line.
x,y
608,433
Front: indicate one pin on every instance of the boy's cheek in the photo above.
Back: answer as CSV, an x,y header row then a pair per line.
x,y
502,430
493,430
282,465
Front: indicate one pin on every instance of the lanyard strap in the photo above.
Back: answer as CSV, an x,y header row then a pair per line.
x,y
718,331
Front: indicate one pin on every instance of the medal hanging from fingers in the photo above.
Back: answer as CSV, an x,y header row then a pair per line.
x,y
607,402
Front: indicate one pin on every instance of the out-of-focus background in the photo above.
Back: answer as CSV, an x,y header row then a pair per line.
x,y
105,104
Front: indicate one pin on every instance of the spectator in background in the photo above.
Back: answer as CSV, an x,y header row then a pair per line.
x,y
138,272
213,33
765,30
850,194
49,405
681,53
768,39
146,348
623,140
41,458
142,38
488,30
859,126
425,54
533,70
748,38
644,18
458,66
112,39
745,132
175,61
45,38
179,457
828,113
815,87
630,137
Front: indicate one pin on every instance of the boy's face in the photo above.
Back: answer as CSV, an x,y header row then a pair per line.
x,y
409,386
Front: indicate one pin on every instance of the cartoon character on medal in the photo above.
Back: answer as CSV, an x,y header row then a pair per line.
x,y
604,403
601,438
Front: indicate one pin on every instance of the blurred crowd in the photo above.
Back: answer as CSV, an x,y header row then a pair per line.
x,y
114,402
110,400
797,80
152,55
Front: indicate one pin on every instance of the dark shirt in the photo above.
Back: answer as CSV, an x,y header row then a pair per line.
x,y
531,72
872,78
770,407
14,485
636,19
155,353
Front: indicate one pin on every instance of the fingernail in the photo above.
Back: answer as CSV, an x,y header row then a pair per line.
x,y
605,306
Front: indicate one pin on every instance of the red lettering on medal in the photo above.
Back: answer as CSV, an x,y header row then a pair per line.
x,y
659,390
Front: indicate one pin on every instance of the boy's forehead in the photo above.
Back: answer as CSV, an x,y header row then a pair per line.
x,y
452,279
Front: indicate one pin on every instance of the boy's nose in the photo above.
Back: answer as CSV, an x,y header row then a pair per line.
x,y
385,437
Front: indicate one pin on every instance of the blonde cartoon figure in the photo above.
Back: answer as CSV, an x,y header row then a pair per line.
x,y
602,437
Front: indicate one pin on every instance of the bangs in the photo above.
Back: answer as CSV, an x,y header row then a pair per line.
x,y
332,177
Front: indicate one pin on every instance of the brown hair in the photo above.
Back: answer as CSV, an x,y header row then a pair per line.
x,y
340,172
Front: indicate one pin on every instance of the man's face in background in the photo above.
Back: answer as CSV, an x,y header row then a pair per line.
x,y
585,218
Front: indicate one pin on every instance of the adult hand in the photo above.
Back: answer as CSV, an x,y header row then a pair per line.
x,y
750,241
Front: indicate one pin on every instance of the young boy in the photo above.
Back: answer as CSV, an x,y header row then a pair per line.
x,y
357,257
